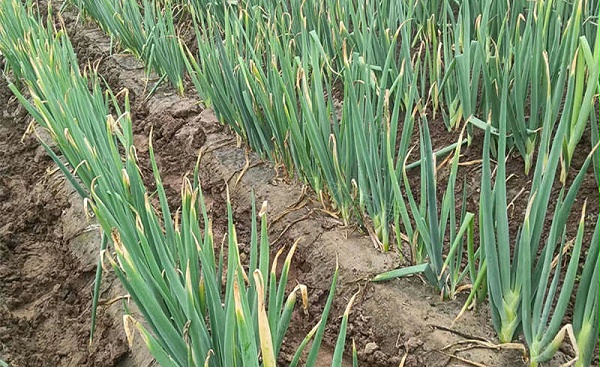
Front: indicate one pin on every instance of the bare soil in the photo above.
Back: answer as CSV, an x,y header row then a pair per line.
x,y
45,284
45,291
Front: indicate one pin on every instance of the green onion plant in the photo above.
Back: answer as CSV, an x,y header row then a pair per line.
x,y
433,225
329,91
284,105
199,307
148,30
521,293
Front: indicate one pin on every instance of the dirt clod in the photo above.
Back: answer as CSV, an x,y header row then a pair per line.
x,y
371,347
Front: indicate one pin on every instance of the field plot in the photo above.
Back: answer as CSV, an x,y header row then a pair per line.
x,y
259,183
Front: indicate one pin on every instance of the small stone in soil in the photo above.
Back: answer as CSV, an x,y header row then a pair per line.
x,y
371,347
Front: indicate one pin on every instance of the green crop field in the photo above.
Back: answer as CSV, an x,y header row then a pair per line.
x,y
348,98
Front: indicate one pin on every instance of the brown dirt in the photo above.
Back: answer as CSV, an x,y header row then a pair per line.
x,y
45,308
45,292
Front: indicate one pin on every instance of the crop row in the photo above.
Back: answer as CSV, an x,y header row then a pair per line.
x,y
333,90
168,265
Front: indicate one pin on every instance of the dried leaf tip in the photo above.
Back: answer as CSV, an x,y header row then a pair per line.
x,y
263,209
128,324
